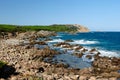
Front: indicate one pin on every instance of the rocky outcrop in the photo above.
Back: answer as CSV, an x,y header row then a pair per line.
x,y
78,28
107,67
26,35
74,27
31,35
81,28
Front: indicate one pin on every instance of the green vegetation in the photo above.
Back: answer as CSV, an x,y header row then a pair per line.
x,y
2,64
15,28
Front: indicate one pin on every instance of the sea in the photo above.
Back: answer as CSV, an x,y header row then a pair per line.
x,y
107,43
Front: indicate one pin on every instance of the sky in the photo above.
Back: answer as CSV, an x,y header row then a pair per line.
x,y
97,15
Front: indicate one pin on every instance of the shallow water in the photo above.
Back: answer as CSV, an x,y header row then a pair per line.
x,y
66,57
108,43
103,42
72,61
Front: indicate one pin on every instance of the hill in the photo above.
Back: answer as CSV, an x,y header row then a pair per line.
x,y
55,27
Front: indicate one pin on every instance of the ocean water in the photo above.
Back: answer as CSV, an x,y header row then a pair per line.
x,y
107,43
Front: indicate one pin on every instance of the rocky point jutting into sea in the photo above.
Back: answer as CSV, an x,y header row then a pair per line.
x,y
77,27
33,55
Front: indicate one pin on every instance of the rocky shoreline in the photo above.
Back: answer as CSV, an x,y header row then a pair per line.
x,y
26,62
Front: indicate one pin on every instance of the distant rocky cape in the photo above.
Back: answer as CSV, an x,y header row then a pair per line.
x,y
81,28
77,27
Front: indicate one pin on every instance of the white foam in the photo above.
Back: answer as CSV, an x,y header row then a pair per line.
x,y
58,36
84,42
108,53
57,40
86,59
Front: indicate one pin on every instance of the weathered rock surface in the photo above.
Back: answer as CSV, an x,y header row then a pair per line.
x,y
81,28
31,35
78,27
107,67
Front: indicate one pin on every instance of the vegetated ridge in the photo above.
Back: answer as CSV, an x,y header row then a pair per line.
x,y
54,27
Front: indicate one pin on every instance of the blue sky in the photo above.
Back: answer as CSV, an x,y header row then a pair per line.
x,y
97,15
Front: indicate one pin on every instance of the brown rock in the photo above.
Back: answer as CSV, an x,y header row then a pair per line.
x,y
78,48
46,52
68,40
13,78
74,77
92,78
113,78
89,56
92,50
28,46
62,65
79,55
84,50
105,66
61,43
40,43
83,78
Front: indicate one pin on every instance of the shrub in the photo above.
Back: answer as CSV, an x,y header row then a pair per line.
x,y
2,64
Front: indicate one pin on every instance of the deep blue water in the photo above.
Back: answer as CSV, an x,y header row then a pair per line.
x,y
107,43
106,40
103,41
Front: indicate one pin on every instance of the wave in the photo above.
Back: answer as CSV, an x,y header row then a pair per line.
x,y
84,42
58,36
57,40
109,53
104,52
86,59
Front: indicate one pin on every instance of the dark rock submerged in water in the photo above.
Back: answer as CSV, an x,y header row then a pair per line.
x,y
79,55
61,44
39,43
68,40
